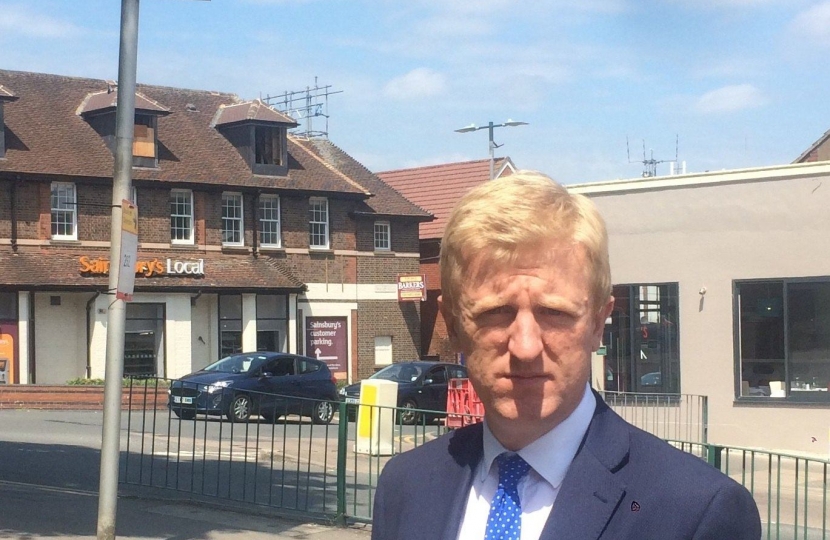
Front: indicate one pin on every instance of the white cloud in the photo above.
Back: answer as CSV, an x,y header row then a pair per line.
x,y
731,98
20,20
813,24
417,84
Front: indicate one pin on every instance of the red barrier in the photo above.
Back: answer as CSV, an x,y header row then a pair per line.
x,y
463,405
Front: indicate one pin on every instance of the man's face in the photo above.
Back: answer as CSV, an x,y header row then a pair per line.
x,y
528,332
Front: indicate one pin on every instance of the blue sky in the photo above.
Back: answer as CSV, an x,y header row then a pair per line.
x,y
742,83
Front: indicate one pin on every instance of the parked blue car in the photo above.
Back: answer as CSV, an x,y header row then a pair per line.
x,y
267,384
421,385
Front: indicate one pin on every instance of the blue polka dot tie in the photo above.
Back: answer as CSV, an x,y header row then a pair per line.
x,y
505,519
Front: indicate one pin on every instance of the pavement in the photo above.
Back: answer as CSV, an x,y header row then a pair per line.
x,y
32,512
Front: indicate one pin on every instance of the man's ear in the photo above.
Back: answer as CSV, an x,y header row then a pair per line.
x,y
599,324
449,320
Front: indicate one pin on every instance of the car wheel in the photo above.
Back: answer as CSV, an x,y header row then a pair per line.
x,y
406,415
240,408
322,413
185,414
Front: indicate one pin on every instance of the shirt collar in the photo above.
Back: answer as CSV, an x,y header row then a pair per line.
x,y
551,454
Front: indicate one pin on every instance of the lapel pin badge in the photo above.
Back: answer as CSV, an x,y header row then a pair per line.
x,y
635,506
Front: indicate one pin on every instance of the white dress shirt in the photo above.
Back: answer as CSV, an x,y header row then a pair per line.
x,y
549,457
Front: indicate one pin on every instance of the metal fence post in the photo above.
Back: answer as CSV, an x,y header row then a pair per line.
x,y
705,419
342,435
713,455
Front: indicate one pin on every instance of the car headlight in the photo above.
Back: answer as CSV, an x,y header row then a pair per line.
x,y
217,386
342,391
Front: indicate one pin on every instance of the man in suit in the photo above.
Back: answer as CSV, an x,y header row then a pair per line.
x,y
526,290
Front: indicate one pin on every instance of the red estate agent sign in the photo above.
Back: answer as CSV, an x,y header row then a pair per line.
x,y
412,288
326,339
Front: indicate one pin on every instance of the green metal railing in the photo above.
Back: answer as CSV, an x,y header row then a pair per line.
x,y
291,464
668,416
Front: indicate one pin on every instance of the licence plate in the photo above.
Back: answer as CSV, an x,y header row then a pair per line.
x,y
184,400
352,400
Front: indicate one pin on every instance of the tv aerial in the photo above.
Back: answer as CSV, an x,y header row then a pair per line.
x,y
650,163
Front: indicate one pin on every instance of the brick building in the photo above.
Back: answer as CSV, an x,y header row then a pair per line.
x,y
249,238
437,188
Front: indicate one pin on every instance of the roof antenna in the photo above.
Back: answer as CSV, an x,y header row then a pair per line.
x,y
650,164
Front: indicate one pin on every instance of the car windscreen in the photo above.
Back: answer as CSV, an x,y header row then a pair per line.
x,y
399,373
238,363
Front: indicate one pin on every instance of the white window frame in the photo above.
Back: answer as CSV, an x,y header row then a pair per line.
x,y
384,229
67,206
189,217
270,220
235,221
318,207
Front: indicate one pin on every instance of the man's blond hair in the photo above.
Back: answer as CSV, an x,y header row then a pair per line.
x,y
514,215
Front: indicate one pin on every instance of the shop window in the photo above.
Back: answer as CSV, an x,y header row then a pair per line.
x,y
383,236
8,306
64,211
318,222
181,216
230,325
783,340
272,322
642,353
269,221
232,219
143,339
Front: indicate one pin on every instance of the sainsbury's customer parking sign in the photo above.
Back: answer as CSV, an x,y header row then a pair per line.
x,y
326,339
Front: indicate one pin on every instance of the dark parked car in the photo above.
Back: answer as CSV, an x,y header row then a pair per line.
x,y
421,385
264,383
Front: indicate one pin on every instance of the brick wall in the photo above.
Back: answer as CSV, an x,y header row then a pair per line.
x,y
94,211
35,396
5,209
154,215
384,269
404,234
385,318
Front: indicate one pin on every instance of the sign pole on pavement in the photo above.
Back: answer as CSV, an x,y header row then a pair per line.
x,y
114,371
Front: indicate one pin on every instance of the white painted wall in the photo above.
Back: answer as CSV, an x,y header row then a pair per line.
x,y
708,236
203,328
178,336
23,336
248,322
60,337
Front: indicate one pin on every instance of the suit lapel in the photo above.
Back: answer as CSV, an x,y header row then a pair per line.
x,y
591,492
450,485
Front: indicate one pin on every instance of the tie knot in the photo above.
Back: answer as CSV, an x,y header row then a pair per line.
x,y
512,468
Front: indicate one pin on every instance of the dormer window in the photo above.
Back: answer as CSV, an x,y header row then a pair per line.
x,y
144,141
259,133
98,109
5,96
268,145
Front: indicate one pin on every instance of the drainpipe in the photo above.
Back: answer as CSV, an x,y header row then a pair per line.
x,y
89,334
256,225
13,200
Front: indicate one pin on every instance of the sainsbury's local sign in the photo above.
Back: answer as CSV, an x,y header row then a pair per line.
x,y
147,268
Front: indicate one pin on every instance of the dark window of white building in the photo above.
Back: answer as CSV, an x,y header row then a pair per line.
x,y
783,339
641,340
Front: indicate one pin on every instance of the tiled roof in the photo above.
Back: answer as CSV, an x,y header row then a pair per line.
x,y
384,200
106,100
61,269
810,154
6,94
45,136
437,188
250,111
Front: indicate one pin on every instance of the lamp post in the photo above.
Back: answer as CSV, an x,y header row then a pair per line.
x,y
490,127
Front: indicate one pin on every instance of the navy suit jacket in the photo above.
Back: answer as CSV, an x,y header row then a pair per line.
x,y
622,484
